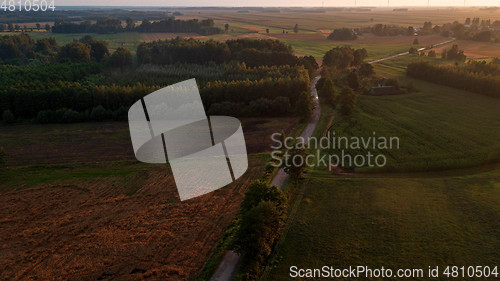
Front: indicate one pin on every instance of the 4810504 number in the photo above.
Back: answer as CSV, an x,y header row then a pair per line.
x,y
28,5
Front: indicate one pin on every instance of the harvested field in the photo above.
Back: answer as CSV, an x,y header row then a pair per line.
x,y
109,217
91,230
474,49
253,27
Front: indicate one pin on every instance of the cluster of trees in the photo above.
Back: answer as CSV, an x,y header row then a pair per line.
x,y
262,215
471,30
343,34
18,28
113,25
22,49
345,57
252,52
346,99
454,54
457,76
18,46
265,97
389,30
487,68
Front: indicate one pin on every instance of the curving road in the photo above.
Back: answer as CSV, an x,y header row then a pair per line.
x,y
407,53
227,267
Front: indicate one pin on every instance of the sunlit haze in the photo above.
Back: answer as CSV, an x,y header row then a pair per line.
x,y
278,3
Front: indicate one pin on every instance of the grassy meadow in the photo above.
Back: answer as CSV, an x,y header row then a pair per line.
x,y
438,127
406,222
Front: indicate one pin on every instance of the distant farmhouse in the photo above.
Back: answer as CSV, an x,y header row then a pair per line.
x,y
382,90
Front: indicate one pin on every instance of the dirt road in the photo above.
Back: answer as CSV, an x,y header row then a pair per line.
x,y
407,53
227,267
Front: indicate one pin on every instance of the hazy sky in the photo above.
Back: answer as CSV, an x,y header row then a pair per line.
x,y
280,3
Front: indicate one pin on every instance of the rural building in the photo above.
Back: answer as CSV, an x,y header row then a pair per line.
x,y
383,91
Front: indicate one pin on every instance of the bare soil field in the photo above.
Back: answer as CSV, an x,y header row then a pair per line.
x,y
474,49
90,230
253,27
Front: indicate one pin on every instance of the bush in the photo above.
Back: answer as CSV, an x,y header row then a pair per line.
x,y
121,114
98,113
8,117
61,115
71,116
44,117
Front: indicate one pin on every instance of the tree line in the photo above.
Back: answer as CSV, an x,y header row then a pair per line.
x,y
113,25
456,76
26,91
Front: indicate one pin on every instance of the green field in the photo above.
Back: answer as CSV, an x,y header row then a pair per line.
x,y
319,48
438,127
411,222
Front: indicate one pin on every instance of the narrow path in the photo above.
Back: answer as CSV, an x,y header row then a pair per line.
x,y
227,267
281,177
407,53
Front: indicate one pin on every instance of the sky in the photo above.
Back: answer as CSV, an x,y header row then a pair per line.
x,y
275,3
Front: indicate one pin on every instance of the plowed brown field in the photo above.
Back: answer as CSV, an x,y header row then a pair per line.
x,y
126,225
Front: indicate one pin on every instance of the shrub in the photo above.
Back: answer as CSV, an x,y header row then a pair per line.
x,y
71,116
121,114
44,116
98,113
8,117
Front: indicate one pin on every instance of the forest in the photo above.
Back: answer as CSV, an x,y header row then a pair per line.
x,y
82,81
